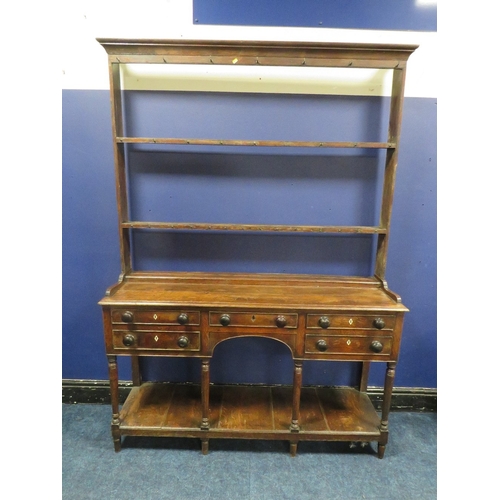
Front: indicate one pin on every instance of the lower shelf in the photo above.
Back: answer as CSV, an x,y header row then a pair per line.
x,y
250,412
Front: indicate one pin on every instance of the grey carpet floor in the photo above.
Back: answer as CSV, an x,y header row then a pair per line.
x,y
175,469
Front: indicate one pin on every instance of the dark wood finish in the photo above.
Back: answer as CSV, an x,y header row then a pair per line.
x,y
169,341
154,317
199,226
386,404
358,345
120,171
395,118
300,300
268,293
384,56
346,321
233,142
334,318
254,320
254,412
113,383
205,394
297,386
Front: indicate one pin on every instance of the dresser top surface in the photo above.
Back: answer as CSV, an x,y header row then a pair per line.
x,y
250,291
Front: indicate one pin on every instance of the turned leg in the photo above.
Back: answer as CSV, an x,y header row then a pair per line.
x,y
386,405
205,393
293,448
113,384
205,402
297,385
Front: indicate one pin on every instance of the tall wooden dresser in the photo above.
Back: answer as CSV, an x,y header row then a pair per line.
x,y
187,314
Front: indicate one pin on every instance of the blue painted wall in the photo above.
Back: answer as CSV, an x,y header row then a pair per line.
x,y
269,188
354,14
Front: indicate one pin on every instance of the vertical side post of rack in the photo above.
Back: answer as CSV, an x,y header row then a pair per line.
x,y
120,168
391,162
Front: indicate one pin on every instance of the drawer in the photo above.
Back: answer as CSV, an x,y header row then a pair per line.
x,y
166,341
331,321
160,317
348,344
256,320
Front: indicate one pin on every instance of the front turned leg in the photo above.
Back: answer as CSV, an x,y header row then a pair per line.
x,y
113,384
205,393
205,402
297,385
386,405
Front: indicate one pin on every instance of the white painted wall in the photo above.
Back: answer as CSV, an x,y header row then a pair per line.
x,y
84,61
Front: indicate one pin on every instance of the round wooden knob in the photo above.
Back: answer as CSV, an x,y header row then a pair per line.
x,y
281,321
128,340
225,319
183,341
127,317
182,318
321,345
376,346
379,323
324,322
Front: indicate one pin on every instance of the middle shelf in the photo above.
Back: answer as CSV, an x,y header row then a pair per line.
x,y
265,143
254,227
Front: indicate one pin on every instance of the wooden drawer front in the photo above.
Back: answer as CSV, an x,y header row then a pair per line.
x,y
348,344
332,321
166,341
256,320
138,316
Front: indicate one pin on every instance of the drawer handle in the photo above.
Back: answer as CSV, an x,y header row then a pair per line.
x,y
281,321
225,319
321,345
379,323
128,340
182,318
127,317
324,322
183,341
376,346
